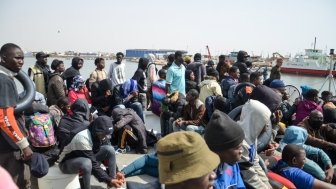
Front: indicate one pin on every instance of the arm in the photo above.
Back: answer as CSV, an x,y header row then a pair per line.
x,y
217,90
58,89
10,128
319,143
169,80
93,78
124,121
322,185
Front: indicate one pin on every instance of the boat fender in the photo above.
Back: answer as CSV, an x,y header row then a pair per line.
x,y
263,139
29,87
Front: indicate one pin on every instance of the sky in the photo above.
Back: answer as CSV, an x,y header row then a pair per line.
x,y
257,26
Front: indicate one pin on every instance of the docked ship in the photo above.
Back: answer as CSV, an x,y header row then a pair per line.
x,y
313,62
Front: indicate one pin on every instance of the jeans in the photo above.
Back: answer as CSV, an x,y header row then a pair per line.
x,y
137,107
147,164
72,166
198,129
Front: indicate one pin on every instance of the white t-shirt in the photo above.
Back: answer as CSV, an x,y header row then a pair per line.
x,y
117,73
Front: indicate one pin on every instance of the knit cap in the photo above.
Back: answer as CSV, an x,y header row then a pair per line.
x,y
222,132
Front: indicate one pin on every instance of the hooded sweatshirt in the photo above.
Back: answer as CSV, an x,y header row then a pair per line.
x,y
71,72
253,118
77,140
123,117
209,87
304,108
297,135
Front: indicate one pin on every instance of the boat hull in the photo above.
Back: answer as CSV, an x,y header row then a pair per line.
x,y
302,71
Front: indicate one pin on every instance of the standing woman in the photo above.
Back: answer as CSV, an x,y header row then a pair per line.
x,y
78,90
56,88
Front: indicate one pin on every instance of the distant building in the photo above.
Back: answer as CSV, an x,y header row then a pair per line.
x,y
138,53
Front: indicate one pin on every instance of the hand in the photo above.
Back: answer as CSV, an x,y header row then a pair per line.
x,y
27,153
108,93
115,183
121,177
329,175
278,116
270,151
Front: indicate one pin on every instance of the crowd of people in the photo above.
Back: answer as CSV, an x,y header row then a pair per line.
x,y
222,125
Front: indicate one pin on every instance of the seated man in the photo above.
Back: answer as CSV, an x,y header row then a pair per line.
x,y
128,125
172,108
82,149
225,137
193,113
186,162
230,80
126,94
320,135
290,167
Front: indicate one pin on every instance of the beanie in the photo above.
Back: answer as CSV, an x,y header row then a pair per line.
x,y
222,133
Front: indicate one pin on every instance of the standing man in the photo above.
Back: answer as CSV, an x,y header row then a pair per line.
x,y
70,73
275,71
56,83
14,145
175,79
39,73
242,58
198,68
117,71
99,73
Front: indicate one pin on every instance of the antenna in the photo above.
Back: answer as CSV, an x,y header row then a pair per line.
x,y
314,43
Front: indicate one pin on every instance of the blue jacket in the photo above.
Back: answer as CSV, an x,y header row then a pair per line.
x,y
228,176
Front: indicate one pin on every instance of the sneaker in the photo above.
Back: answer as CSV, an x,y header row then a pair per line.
x,y
121,151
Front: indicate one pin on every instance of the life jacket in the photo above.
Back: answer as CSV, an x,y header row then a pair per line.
x,y
38,79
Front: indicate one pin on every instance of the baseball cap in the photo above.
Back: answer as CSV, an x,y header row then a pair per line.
x,y
41,54
103,124
277,83
184,155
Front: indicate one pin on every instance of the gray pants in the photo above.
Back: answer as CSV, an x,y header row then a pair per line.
x,y
72,166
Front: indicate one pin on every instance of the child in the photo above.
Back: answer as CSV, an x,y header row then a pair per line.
x,y
225,137
290,167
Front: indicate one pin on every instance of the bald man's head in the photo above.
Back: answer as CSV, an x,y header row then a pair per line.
x,y
315,119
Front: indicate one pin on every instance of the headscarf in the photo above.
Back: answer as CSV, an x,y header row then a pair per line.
x,y
77,83
129,87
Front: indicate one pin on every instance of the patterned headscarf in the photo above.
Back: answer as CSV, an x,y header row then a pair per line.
x,y
77,83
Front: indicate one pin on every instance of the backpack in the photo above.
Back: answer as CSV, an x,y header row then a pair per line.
x,y
41,131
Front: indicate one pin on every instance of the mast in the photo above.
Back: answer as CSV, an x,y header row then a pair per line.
x,y
208,52
314,43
